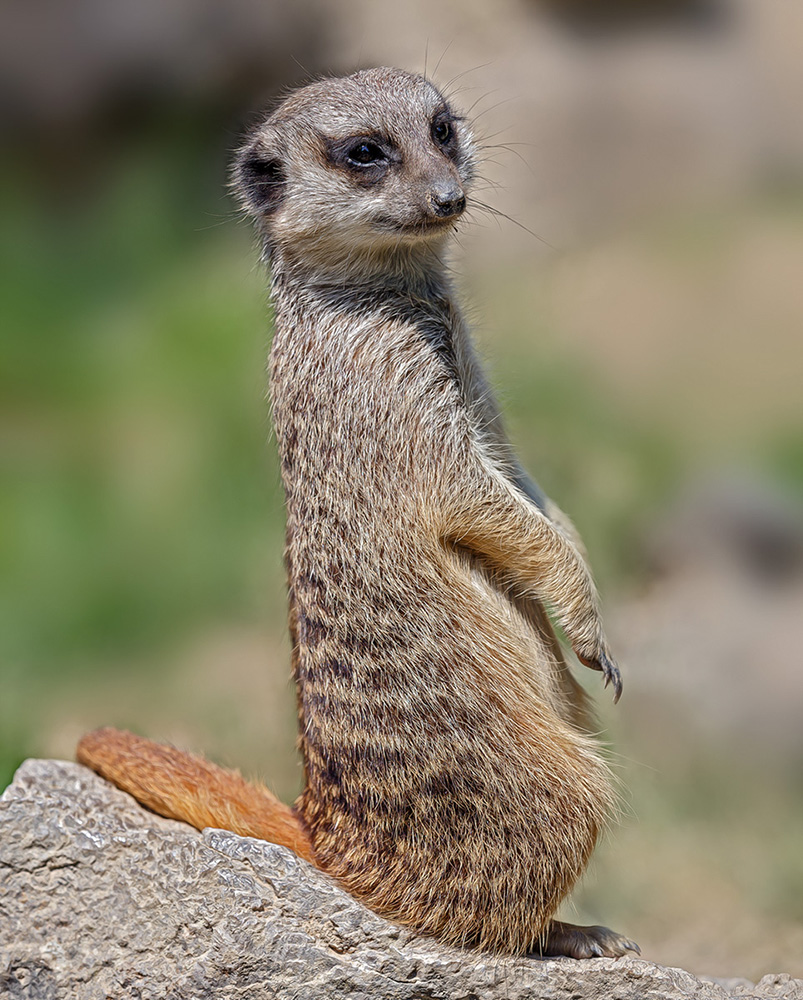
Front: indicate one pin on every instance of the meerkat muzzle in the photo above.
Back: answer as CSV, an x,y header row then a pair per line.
x,y
446,202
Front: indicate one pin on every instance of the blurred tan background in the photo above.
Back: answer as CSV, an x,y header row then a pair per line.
x,y
641,310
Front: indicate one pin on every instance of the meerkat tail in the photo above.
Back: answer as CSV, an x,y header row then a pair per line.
x,y
183,786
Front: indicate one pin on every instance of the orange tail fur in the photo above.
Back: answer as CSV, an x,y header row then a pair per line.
x,y
182,786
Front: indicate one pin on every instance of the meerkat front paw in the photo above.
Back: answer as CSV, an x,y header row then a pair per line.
x,y
603,662
586,942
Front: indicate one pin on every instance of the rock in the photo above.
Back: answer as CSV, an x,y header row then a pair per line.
x,y
101,899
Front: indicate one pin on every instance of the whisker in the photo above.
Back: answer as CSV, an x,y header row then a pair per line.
x,y
498,212
437,64
302,67
482,97
484,139
495,219
465,72
505,145
487,183
493,107
515,153
489,159
220,222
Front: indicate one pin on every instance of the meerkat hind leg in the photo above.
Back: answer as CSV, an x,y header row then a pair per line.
x,y
573,941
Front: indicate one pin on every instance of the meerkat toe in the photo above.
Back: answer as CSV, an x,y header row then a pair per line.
x,y
608,668
596,941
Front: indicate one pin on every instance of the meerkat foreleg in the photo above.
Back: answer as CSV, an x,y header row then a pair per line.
x,y
488,427
491,516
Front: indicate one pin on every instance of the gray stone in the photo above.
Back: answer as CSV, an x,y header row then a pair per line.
x,y
101,899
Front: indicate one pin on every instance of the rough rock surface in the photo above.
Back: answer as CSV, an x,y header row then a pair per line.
x,y
101,899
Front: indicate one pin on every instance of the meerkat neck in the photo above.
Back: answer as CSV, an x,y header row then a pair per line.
x,y
417,270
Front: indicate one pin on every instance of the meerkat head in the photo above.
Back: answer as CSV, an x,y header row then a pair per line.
x,y
357,167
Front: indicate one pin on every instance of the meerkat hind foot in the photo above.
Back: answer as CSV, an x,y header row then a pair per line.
x,y
573,941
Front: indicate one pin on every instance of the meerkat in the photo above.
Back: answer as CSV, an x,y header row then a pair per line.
x,y
452,782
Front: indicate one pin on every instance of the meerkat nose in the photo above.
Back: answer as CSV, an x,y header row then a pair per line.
x,y
446,202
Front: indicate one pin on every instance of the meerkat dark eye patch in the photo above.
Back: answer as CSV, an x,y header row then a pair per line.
x,y
443,131
367,158
262,182
365,154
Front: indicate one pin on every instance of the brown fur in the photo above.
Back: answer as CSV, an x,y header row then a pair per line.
x,y
451,781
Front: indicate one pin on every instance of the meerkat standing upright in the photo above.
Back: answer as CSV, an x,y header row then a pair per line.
x,y
452,783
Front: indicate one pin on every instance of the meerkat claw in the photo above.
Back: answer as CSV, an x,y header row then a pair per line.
x,y
586,942
609,670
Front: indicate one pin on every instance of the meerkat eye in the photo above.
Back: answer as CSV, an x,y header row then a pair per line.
x,y
365,154
442,132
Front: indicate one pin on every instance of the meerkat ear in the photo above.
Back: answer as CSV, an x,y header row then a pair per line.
x,y
259,178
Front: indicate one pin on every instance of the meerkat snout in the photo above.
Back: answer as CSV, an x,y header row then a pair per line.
x,y
446,200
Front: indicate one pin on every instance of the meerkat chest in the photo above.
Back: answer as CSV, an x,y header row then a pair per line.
x,y
367,389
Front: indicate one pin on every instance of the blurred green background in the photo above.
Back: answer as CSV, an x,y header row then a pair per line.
x,y
654,340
